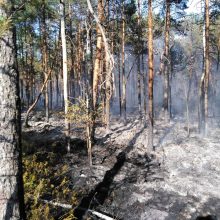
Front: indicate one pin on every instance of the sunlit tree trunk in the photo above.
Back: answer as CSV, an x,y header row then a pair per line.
x,y
150,76
11,183
166,63
65,73
97,63
98,57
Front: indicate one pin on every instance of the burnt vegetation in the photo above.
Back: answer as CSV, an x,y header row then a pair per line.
x,y
110,109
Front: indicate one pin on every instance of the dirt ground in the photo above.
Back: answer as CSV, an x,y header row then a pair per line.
x,y
180,180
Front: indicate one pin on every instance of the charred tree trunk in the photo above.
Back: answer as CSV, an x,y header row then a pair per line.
x,y
11,183
150,76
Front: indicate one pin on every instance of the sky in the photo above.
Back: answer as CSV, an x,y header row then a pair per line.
x,y
194,6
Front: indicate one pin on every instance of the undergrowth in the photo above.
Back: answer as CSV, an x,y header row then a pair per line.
x,y
47,180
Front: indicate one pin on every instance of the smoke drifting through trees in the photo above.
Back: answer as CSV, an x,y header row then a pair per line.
x,y
121,59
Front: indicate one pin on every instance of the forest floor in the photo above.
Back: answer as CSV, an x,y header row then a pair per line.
x,y
181,180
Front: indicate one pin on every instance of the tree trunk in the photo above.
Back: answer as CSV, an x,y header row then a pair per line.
x,y
65,77
97,64
11,183
166,63
139,59
72,75
206,62
89,68
45,59
204,87
98,58
119,69
119,82
37,98
150,76
123,102
144,91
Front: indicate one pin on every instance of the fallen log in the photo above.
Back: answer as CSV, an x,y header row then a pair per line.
x,y
68,206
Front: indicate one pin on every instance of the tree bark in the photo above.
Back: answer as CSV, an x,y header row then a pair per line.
x,y
98,58
11,183
45,58
207,71
166,63
150,76
139,59
37,99
123,102
65,73
204,86
97,64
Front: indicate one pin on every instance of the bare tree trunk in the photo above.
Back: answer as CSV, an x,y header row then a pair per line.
x,y
166,63
204,86
65,73
123,102
88,133
119,70
97,64
108,95
89,82
11,183
218,57
72,74
99,46
45,59
207,68
187,96
150,76
144,91
119,82
139,59
109,74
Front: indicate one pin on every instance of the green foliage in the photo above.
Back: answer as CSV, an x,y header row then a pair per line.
x,y
5,24
44,179
81,113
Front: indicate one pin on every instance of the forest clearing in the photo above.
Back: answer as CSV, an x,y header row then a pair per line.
x,y
110,109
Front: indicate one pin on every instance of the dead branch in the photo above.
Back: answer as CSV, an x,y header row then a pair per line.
x,y
67,206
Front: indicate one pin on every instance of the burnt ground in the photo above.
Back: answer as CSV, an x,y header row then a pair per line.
x,y
181,180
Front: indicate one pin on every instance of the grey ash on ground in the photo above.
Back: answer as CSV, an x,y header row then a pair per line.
x,y
180,181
